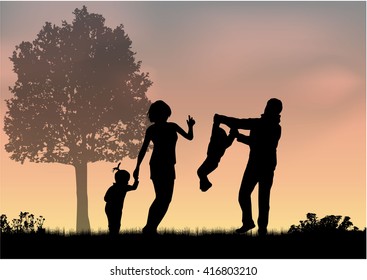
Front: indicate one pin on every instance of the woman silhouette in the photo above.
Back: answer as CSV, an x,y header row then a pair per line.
x,y
163,134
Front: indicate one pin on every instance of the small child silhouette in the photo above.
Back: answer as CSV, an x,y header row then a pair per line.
x,y
219,142
115,197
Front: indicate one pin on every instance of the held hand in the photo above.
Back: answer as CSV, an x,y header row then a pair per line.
x,y
216,119
190,121
234,132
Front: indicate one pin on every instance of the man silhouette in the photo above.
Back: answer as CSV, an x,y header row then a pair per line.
x,y
263,140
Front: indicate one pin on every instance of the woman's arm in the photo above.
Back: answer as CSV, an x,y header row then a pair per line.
x,y
142,152
190,133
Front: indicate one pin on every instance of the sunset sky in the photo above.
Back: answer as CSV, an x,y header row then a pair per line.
x,y
227,58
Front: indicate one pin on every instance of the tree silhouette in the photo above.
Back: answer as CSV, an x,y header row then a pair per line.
x,y
80,97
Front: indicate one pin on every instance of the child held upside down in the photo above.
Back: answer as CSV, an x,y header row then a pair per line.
x,y
219,142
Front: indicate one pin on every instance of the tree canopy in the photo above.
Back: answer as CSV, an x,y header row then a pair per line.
x,y
80,96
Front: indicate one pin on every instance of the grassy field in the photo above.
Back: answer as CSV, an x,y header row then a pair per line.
x,y
171,245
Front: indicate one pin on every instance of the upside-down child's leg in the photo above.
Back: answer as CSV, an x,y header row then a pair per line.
x,y
208,166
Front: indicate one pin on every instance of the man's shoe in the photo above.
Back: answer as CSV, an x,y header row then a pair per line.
x,y
262,231
149,231
244,229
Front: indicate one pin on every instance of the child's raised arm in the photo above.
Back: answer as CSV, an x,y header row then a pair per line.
x,y
135,185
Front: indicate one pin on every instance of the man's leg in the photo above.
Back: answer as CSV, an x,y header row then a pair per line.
x,y
265,184
248,184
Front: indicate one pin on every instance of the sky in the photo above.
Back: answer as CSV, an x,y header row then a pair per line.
x,y
227,58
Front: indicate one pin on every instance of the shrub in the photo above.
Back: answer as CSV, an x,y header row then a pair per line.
x,y
326,224
26,223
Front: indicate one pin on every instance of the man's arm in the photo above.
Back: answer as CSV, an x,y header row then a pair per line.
x,y
233,133
244,139
235,122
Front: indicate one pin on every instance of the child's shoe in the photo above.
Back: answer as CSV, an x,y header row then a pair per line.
x,y
205,184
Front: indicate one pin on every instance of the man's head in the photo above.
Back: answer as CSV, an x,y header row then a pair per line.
x,y
273,107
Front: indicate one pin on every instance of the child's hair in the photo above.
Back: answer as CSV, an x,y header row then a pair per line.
x,y
121,176
159,111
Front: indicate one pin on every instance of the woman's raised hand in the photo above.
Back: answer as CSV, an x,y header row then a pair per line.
x,y
190,121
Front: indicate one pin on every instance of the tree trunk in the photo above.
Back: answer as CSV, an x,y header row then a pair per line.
x,y
82,219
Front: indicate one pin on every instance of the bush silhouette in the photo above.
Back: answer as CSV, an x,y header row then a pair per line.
x,y
26,223
326,224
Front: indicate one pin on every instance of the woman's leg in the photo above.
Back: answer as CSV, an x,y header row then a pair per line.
x,y
164,191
